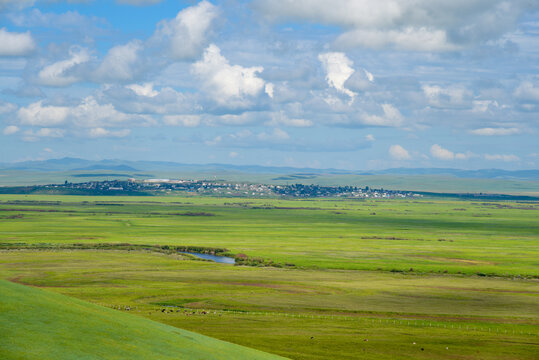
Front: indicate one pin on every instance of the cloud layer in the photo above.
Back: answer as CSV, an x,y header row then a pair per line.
x,y
359,83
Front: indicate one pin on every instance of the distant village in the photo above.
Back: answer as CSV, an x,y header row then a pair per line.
x,y
221,188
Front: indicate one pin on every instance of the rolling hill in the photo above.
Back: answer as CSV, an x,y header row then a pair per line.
x,y
37,324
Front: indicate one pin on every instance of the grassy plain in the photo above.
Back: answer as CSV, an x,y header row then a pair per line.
x,y
301,314
424,235
373,279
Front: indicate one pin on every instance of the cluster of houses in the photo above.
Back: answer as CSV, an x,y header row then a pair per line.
x,y
221,188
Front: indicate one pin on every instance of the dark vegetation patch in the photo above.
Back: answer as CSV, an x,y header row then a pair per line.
x,y
271,207
31,202
388,238
10,217
191,213
42,190
507,206
39,210
188,213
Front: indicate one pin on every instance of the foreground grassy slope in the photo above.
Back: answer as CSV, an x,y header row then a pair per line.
x,y
469,237
301,314
37,324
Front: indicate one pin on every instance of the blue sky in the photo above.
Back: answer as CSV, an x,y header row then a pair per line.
x,y
352,84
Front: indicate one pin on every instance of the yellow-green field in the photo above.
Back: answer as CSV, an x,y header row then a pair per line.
x,y
498,238
384,279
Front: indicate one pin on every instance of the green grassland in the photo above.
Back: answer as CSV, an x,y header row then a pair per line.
x,y
37,324
300,314
492,238
371,279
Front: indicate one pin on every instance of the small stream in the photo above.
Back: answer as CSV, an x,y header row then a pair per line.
x,y
217,259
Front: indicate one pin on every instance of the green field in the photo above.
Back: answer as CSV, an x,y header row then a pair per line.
x,y
370,279
38,324
425,235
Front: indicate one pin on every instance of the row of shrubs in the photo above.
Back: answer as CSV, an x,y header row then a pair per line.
x,y
242,259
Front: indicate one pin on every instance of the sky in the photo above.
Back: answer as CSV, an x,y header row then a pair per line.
x,y
348,84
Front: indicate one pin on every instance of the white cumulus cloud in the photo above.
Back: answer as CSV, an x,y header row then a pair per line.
x,y
527,91
87,114
10,130
38,115
30,135
269,89
187,33
120,62
182,120
495,131
15,44
447,97
502,157
409,38
276,135
91,114
6,107
229,85
440,153
397,152
145,89
282,118
416,25
58,73
102,132
338,68
443,154
391,117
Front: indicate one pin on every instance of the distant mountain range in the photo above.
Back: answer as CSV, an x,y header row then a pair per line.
x,y
77,165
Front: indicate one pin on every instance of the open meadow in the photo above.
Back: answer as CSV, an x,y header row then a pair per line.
x,y
341,279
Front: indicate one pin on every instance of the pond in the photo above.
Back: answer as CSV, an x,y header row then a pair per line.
x,y
218,259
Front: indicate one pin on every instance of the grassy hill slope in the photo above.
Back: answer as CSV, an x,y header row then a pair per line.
x,y
37,324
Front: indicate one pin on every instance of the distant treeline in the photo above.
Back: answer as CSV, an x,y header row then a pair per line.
x,y
480,196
